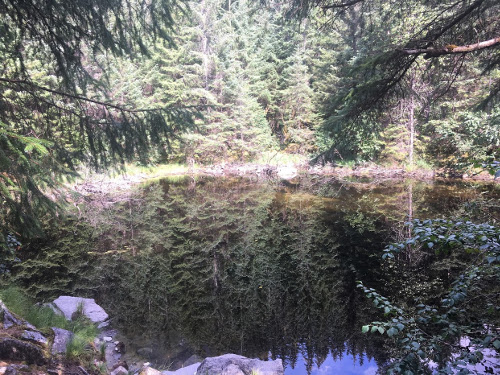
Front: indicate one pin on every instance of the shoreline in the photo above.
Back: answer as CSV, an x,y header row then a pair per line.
x,y
122,181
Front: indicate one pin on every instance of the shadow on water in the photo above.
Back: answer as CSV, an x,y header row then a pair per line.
x,y
208,266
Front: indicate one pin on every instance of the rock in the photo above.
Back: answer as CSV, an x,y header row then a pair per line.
x,y
120,347
69,305
287,172
119,371
123,364
61,339
53,307
188,370
149,371
145,352
103,325
35,336
232,364
107,338
13,369
17,350
191,360
9,319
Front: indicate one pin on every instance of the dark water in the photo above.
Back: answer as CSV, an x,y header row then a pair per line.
x,y
208,266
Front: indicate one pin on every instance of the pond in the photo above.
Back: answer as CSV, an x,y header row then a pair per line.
x,y
267,269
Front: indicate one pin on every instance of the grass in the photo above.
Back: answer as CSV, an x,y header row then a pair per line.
x,y
280,159
157,170
42,317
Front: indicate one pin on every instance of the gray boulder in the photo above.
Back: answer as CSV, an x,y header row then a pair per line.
x,y
69,305
232,364
61,340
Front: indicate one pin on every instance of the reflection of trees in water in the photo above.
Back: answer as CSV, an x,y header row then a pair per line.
x,y
240,268
228,265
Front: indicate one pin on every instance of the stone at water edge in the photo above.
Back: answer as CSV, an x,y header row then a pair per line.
x,y
149,371
61,340
119,371
232,364
69,305
188,370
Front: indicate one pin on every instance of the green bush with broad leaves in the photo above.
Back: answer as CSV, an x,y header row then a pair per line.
x,y
460,333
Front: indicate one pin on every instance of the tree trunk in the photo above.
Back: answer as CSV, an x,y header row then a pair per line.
x,y
412,119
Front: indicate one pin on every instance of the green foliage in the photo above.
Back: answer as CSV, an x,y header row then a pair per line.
x,y
80,346
433,333
44,317
56,106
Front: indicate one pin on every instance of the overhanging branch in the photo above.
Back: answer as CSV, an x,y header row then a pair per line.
x,y
452,49
89,100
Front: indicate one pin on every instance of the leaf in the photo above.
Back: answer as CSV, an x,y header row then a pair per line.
x,y
387,310
430,245
392,331
496,344
365,329
381,330
374,329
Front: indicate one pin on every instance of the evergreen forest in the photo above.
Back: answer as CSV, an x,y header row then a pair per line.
x,y
397,85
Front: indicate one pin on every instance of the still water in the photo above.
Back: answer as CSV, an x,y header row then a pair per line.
x,y
205,266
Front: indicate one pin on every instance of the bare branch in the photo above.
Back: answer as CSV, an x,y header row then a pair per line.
x,y
452,49
341,5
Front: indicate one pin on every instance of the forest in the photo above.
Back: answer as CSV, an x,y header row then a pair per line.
x,y
412,85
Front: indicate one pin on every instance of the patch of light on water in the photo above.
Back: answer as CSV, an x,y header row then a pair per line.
x,y
347,365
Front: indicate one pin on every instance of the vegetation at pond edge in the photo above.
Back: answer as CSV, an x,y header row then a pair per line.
x,y
261,267
81,346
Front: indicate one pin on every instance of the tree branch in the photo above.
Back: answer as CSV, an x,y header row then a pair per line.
x,y
452,49
83,98
341,5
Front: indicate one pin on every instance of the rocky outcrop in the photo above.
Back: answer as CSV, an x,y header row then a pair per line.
x,y
13,349
9,319
232,364
71,305
19,340
61,340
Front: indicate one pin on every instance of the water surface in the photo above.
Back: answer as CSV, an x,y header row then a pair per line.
x,y
264,269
